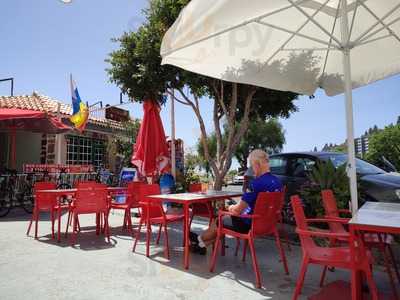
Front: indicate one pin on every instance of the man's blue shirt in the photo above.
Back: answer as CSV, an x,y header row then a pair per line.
x,y
264,183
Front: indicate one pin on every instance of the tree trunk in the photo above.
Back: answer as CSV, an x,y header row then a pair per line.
x,y
219,181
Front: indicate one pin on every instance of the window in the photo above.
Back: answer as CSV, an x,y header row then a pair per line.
x,y
278,165
85,151
301,166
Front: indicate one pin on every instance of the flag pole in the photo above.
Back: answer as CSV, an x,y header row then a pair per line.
x,y
173,160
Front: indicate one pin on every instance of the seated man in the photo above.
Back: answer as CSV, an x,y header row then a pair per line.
x,y
264,181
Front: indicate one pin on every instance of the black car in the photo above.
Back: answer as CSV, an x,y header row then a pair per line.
x,y
376,184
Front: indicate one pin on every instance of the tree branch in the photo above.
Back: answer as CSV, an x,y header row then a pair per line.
x,y
177,99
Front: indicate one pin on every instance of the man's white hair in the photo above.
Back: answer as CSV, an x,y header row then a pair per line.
x,y
258,155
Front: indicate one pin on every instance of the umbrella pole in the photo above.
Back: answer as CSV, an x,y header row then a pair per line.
x,y
351,165
173,159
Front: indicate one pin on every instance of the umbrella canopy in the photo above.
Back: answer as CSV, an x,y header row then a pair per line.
x,y
150,153
14,119
290,45
30,120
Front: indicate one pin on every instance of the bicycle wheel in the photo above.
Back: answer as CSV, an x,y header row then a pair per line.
x,y
27,203
4,208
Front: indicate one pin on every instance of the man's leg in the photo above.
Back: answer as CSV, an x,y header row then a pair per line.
x,y
208,237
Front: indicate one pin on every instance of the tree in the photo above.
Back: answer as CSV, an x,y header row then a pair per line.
x,y
398,120
136,68
385,143
122,143
266,135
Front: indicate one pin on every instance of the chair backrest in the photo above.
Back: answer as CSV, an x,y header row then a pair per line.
x,y
133,192
91,199
150,208
44,201
44,185
331,210
267,206
307,243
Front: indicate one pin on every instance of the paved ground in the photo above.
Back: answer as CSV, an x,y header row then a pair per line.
x,y
93,269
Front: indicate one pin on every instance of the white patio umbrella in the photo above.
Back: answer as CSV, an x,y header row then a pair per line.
x,y
290,45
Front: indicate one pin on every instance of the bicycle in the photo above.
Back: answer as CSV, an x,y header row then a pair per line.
x,y
15,191
62,180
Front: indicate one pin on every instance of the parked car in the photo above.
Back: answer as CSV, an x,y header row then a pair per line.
x,y
238,179
376,184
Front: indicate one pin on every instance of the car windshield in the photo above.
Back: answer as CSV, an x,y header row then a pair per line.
x,y
363,167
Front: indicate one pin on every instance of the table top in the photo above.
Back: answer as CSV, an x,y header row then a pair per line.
x,y
190,197
378,214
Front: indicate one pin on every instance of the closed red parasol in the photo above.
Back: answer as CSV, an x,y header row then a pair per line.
x,y
150,153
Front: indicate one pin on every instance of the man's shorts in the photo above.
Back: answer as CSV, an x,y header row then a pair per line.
x,y
236,224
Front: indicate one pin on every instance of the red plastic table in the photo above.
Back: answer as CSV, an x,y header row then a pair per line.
x,y
376,217
188,199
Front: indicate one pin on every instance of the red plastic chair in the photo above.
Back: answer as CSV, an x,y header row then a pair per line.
x,y
45,202
204,210
152,213
91,200
132,201
264,222
381,242
338,257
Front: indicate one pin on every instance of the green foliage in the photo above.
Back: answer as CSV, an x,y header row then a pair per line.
x,y
324,175
266,135
385,143
124,142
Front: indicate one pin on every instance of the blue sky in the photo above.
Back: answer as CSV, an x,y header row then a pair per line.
x,y
42,42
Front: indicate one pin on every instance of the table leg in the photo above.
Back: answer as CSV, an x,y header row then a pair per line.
x,y
186,235
356,284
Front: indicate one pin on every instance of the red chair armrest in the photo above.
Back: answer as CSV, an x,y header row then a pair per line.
x,y
323,234
222,213
328,220
338,219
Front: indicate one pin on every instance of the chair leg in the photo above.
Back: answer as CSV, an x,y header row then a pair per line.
x,y
74,229
166,247
125,221
214,255
237,246
30,223
68,222
300,280
322,279
148,237
255,264
245,244
129,220
106,227
52,223
159,234
36,224
137,235
59,225
281,252
98,217
394,263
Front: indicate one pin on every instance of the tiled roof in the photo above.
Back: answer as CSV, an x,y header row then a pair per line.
x,y
46,104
